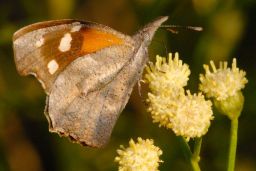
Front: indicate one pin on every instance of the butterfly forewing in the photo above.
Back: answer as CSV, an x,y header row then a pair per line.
x,y
45,49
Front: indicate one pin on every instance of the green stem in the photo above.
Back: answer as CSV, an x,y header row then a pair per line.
x,y
189,155
197,149
233,144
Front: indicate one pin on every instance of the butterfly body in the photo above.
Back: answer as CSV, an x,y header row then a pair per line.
x,y
87,70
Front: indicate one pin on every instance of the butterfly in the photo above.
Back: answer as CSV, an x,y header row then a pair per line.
x,y
87,70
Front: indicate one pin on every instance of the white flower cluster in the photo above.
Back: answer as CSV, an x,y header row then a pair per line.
x,y
140,156
223,82
170,105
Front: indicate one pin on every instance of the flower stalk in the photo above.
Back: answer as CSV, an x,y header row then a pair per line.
x,y
191,157
197,149
233,144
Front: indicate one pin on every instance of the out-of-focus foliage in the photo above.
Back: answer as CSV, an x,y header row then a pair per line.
x,y
229,31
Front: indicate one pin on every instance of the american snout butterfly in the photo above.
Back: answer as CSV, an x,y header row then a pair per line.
x,y
87,70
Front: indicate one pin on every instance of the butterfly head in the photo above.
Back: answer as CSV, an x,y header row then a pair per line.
x,y
147,32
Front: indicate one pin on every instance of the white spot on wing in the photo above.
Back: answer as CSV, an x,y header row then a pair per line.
x,y
76,28
52,66
40,42
65,42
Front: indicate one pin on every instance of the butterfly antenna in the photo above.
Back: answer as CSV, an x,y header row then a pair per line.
x,y
171,27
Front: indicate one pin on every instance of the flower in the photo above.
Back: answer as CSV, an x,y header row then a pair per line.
x,y
140,156
193,116
166,76
222,82
163,107
186,114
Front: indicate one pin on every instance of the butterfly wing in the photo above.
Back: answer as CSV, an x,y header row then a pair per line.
x,y
85,101
87,70
45,49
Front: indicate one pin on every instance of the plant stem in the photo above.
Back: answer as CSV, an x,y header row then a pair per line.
x,y
233,144
197,149
189,155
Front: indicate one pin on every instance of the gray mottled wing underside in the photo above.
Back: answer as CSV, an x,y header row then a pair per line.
x,y
85,105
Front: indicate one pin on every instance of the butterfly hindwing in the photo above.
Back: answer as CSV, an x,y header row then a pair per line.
x,y
88,109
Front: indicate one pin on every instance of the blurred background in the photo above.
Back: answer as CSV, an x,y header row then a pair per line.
x,y
229,31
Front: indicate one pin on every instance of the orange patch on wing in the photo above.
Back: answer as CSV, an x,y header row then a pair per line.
x,y
94,40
